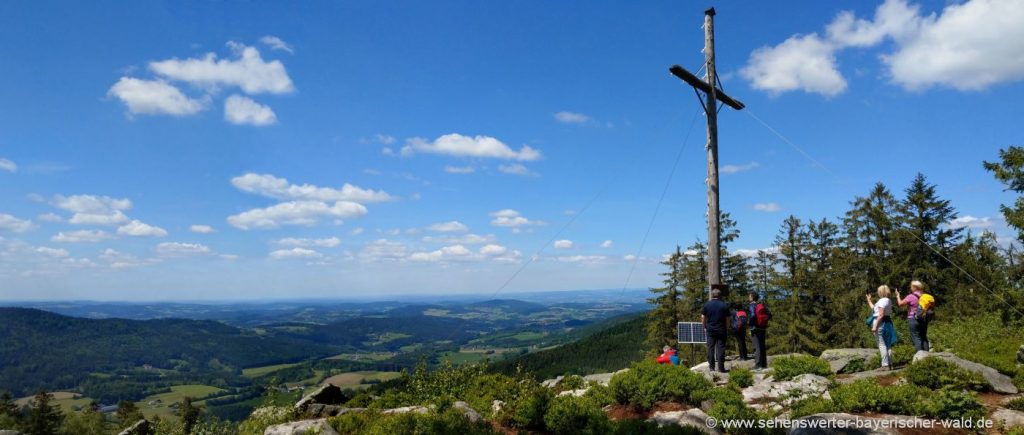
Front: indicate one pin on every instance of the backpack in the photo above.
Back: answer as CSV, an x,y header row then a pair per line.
x,y
925,310
761,315
739,320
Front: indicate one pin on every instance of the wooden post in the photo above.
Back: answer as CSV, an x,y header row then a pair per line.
x,y
711,111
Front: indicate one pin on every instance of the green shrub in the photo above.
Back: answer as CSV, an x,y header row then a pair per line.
x,y
1018,379
949,403
741,377
571,382
643,427
600,394
373,423
856,366
575,415
935,373
786,368
360,400
1016,404
810,406
901,355
727,404
261,418
527,405
647,383
984,339
868,395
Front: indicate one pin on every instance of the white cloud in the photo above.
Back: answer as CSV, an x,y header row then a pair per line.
x,y
449,227
201,229
13,224
178,249
241,110
295,253
768,207
511,218
295,213
563,244
50,217
81,236
387,151
329,242
590,259
465,239
516,169
751,253
384,139
279,188
121,260
115,217
893,18
52,252
607,244
276,43
459,169
802,62
93,210
248,71
154,97
571,118
469,146
445,253
733,169
137,228
629,257
969,46
7,165
383,250
493,249
972,222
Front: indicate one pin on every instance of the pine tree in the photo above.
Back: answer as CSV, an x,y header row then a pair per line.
x,y
189,414
43,417
801,331
926,236
1010,171
663,318
694,279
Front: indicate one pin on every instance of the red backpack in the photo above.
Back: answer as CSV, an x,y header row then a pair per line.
x,y
739,321
761,315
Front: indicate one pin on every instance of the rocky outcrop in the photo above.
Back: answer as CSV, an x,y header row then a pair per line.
x,y
849,424
691,417
574,393
1008,417
838,359
785,392
468,411
602,378
303,427
551,383
406,410
141,427
1000,383
326,394
733,363
876,373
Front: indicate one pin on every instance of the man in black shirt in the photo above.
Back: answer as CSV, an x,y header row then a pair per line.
x,y
717,321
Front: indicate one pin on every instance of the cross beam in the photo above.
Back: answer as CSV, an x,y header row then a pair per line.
x,y
702,86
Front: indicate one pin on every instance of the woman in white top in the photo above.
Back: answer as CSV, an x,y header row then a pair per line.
x,y
882,311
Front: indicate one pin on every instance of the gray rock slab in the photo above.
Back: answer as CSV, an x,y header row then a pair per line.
x,y
838,359
302,427
691,417
1009,417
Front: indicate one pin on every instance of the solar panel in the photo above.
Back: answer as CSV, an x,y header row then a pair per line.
x,y
692,332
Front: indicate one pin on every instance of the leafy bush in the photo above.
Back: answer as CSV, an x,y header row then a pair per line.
x,y
949,403
600,394
527,405
647,382
572,415
868,395
811,406
373,423
935,373
855,366
727,404
901,355
571,382
1016,404
984,339
741,377
786,368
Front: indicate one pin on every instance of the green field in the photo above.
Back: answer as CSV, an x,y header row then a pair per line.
x,y
66,400
362,356
162,407
317,376
359,380
255,372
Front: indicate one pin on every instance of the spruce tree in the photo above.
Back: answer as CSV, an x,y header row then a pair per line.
x,y
189,414
43,417
1009,170
926,236
663,318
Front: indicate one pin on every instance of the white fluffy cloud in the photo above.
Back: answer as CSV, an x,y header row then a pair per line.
x,y
94,210
967,46
154,97
607,244
52,252
295,213
733,169
137,228
282,254
276,43
492,249
7,165
511,219
465,239
178,249
459,169
516,169
469,146
449,227
571,118
201,229
241,110
563,244
247,71
279,188
13,224
980,223
329,242
445,253
768,207
81,236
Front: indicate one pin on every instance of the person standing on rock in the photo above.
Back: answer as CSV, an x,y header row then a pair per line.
x,y
758,317
916,317
881,324
717,321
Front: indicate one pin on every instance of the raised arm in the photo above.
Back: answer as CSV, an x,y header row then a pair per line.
x,y
871,305
899,299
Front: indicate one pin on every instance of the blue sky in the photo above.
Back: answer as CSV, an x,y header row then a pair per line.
x,y
153,151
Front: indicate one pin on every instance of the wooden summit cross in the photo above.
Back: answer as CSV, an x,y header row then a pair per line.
x,y
712,95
